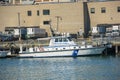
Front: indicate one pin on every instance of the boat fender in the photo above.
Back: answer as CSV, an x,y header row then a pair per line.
x,y
41,49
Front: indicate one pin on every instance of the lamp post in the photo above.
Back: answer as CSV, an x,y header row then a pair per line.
x,y
19,26
19,33
58,18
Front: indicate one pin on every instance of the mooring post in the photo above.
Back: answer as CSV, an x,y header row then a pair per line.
x,y
116,49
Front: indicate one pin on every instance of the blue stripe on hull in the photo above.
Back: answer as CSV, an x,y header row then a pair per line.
x,y
75,53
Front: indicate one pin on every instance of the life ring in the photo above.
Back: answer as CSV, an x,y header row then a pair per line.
x,y
41,49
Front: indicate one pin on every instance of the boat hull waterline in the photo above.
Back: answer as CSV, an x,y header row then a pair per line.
x,y
3,54
63,53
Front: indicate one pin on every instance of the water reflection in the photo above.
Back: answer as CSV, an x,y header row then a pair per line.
x,y
81,68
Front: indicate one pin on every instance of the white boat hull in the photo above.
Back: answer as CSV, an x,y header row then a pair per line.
x,y
3,53
91,51
46,54
64,53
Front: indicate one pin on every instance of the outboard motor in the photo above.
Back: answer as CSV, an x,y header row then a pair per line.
x,y
17,50
12,50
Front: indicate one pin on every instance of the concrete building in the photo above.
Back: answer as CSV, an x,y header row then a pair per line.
x,y
62,17
104,12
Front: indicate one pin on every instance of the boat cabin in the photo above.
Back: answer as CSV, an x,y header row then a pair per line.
x,y
61,41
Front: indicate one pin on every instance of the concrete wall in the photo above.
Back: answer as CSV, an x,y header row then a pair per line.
x,y
9,16
71,14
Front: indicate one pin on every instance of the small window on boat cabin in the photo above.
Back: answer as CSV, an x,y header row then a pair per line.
x,y
69,39
64,40
60,39
56,40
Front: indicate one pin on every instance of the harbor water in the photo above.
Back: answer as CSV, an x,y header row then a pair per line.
x,y
80,68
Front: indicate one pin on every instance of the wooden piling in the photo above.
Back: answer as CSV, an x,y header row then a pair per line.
x,y
116,49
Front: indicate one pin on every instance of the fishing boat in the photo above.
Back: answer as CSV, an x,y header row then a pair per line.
x,y
3,53
60,46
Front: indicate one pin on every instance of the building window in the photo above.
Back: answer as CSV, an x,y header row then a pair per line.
x,y
46,12
118,9
103,10
92,10
29,13
46,22
38,13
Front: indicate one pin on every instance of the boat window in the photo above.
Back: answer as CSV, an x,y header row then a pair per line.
x,y
63,48
69,39
60,40
64,40
56,40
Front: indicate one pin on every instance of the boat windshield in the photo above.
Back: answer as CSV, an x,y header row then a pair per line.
x,y
61,40
69,38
